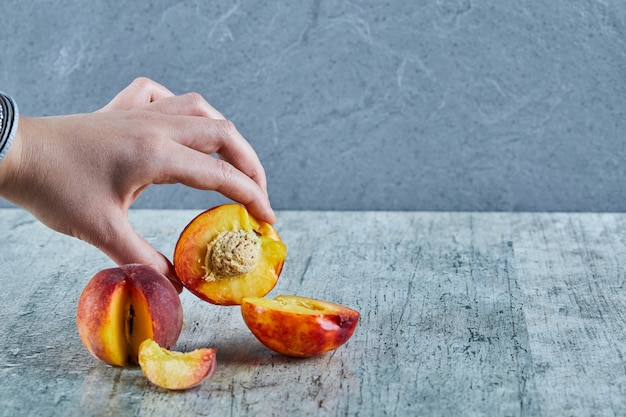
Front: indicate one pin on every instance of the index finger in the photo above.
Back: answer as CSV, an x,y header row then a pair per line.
x,y
204,172
221,137
218,136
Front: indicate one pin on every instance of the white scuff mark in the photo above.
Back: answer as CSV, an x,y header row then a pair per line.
x,y
71,55
442,103
451,12
11,365
360,26
400,72
416,62
207,22
276,132
221,22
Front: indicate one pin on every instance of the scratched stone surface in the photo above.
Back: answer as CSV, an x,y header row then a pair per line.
x,y
478,314
383,105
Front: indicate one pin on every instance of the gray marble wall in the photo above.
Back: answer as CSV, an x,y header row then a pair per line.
x,y
428,105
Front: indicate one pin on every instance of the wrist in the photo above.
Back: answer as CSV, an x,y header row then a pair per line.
x,y
10,162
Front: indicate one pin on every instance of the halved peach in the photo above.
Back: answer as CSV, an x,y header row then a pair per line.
x,y
298,326
225,254
121,307
175,370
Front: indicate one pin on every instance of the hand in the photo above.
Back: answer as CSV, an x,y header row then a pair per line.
x,y
79,174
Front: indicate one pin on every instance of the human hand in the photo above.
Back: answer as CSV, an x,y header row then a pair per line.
x,y
79,174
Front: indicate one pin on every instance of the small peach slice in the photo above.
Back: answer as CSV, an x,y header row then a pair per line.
x,y
299,326
121,307
224,254
175,370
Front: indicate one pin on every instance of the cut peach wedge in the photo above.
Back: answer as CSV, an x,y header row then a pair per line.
x,y
224,254
175,370
299,326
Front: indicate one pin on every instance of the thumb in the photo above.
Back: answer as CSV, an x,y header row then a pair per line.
x,y
125,246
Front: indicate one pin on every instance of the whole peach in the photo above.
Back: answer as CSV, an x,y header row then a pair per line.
x,y
121,307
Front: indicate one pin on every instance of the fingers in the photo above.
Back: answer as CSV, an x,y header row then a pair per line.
x,y
217,136
201,171
198,125
220,137
189,120
140,92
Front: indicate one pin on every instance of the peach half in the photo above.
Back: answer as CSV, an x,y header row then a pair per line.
x,y
175,370
224,254
121,307
299,326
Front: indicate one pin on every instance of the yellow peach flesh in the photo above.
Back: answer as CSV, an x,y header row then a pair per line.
x,y
247,262
139,322
298,326
175,370
114,334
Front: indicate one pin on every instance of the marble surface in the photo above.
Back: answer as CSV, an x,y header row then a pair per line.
x,y
481,314
417,105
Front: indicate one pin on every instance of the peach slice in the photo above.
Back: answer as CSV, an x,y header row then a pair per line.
x,y
298,326
121,307
225,254
175,370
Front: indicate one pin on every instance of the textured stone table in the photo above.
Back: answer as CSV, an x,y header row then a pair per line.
x,y
477,314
